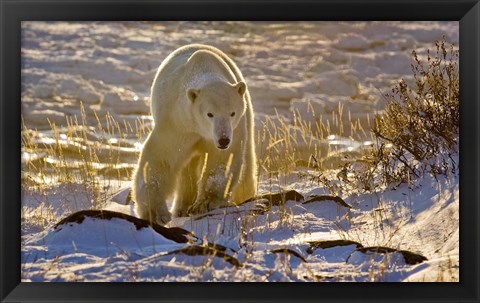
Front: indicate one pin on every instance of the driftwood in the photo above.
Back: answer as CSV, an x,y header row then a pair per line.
x,y
197,250
330,243
410,258
289,251
176,234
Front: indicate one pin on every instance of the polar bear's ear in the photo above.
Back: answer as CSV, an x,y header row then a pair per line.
x,y
241,87
192,94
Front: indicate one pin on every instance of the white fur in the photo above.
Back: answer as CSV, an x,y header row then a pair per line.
x,y
183,156
202,79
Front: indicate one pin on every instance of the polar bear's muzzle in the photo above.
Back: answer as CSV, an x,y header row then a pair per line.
x,y
222,132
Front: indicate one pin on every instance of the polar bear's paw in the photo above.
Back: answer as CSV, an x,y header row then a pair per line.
x,y
164,219
197,208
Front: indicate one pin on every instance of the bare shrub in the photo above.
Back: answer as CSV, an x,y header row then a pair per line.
x,y
418,131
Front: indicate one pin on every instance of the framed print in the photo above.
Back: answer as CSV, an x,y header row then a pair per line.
x,y
151,142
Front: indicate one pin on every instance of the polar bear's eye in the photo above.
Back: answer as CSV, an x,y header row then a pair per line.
x,y
210,115
232,114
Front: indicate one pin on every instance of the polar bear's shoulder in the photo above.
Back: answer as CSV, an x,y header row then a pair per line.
x,y
203,55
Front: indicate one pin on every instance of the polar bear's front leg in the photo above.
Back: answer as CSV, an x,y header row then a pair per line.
x,y
187,188
151,187
244,186
211,194
215,185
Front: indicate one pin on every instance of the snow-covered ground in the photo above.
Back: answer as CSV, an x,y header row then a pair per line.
x,y
302,68
382,237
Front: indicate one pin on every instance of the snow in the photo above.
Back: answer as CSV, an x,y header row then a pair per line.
x,y
302,68
331,58
258,236
352,41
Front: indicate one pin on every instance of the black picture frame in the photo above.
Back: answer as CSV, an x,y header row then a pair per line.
x,y
12,12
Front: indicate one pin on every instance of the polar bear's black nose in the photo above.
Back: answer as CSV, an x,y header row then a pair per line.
x,y
223,143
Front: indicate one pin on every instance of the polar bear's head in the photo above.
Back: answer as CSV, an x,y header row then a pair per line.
x,y
217,109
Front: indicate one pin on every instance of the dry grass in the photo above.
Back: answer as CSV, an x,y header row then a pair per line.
x,y
75,167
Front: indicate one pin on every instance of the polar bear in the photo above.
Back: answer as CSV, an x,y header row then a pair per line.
x,y
201,149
